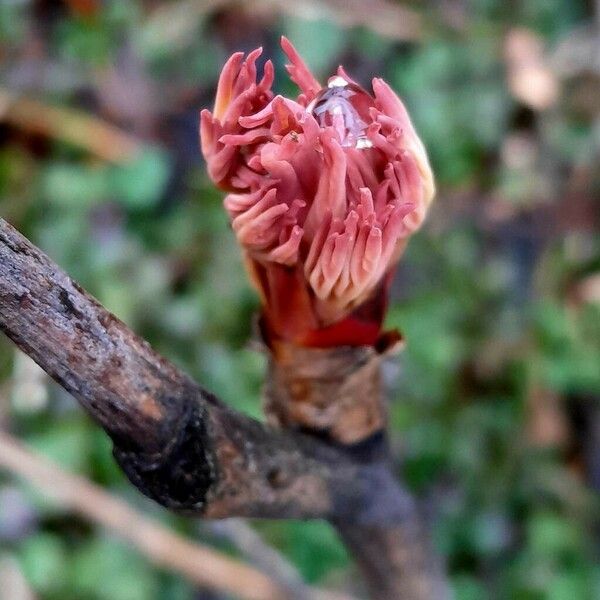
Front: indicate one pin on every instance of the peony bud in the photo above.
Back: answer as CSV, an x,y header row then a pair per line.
x,y
325,191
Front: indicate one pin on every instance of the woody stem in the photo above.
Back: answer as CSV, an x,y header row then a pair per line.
x,y
184,448
336,394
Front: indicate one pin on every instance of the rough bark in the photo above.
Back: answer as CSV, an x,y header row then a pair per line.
x,y
333,391
397,562
185,449
338,393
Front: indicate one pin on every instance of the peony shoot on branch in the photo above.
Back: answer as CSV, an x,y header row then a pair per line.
x,y
324,191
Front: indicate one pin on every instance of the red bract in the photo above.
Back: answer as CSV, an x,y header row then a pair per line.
x,y
324,192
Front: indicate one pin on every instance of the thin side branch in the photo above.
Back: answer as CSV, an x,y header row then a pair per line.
x,y
98,137
161,546
12,580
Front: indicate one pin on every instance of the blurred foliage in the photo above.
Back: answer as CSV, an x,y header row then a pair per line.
x,y
495,401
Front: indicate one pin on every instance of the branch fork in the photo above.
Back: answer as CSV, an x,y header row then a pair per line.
x,y
187,450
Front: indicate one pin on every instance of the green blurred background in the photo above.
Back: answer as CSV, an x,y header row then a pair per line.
x,y
495,403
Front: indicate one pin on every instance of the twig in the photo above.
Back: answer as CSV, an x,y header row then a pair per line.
x,y
252,546
13,585
200,565
94,135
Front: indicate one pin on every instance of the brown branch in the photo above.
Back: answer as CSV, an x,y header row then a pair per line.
x,y
12,580
161,546
91,133
337,392
177,442
182,447
397,562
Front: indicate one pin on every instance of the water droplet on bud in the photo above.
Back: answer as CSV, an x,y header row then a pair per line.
x,y
345,107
